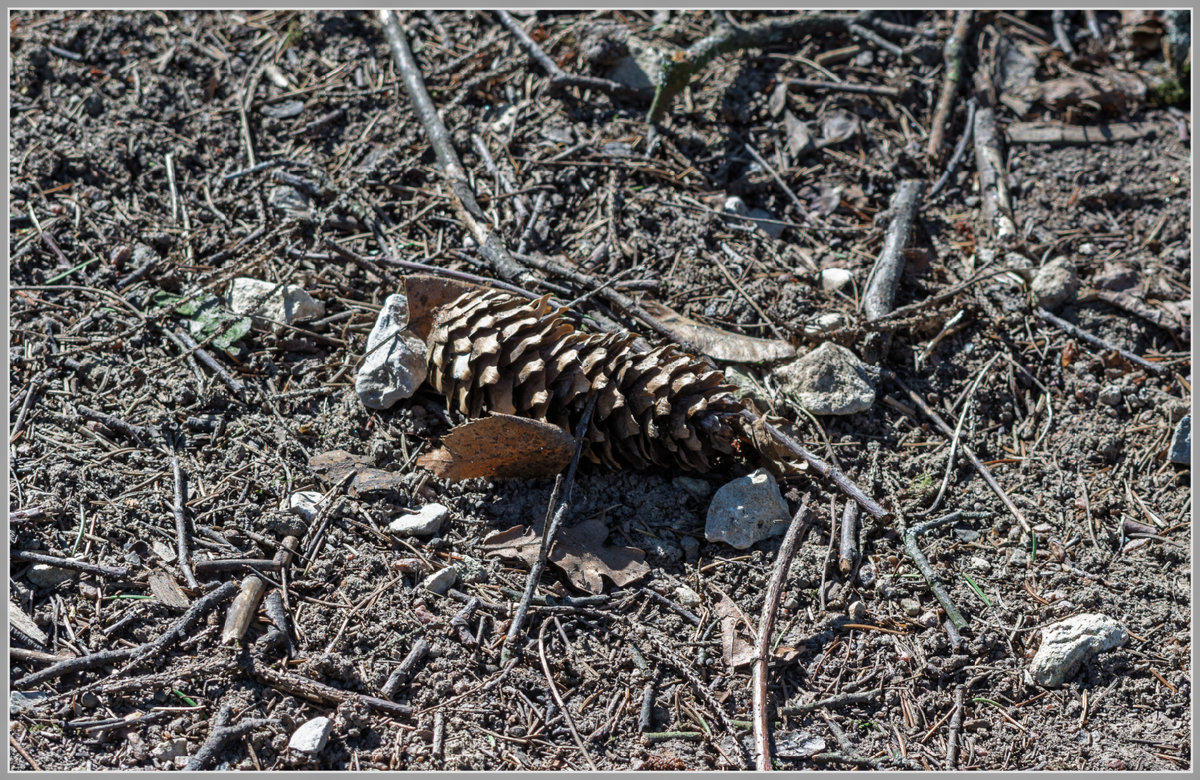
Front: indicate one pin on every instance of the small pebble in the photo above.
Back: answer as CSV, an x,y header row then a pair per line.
x,y
857,611
1181,445
304,503
687,597
440,581
1111,395
425,522
311,737
46,576
911,607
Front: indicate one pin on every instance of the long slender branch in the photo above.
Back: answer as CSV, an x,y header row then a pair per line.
x,y
462,197
953,59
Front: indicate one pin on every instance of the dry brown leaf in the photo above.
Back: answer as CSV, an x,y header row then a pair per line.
x,y
501,447
580,552
721,344
735,648
426,293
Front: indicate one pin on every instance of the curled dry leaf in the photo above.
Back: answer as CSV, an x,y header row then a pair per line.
x,y
580,552
501,447
720,344
737,647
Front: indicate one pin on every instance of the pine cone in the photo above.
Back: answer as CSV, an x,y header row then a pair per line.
x,y
490,351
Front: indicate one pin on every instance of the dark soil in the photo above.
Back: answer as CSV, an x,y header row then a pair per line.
x,y
1076,435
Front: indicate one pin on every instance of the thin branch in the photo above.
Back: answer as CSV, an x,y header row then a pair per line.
x,y
880,294
766,625
462,197
1096,341
953,58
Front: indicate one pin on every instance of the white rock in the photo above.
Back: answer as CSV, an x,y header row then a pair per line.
x,y
441,581
735,205
746,511
286,303
46,576
508,117
394,371
311,737
170,749
819,324
1054,284
687,597
425,522
829,380
1071,642
304,503
834,279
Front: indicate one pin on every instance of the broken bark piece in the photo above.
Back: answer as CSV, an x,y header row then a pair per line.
x,y
1080,135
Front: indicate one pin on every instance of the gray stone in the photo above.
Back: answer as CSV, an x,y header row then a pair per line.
x,y
305,504
820,324
292,202
1111,395
1054,284
687,597
425,522
829,380
277,303
19,701
1181,445
169,750
394,371
441,581
911,607
1071,642
311,737
46,576
857,610
746,511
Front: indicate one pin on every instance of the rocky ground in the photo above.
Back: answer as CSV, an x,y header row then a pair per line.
x,y
191,606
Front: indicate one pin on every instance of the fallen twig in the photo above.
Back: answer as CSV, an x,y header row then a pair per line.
x,y
319,692
834,475
848,554
952,55
560,79
222,732
242,610
181,528
910,546
462,196
1083,135
983,470
679,68
1058,18
560,502
833,702
956,722
402,673
960,150
155,647
1096,341
557,698
841,86
766,624
993,184
880,294
213,364
69,563
135,432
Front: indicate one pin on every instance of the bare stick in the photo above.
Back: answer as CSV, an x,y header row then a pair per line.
x,y
321,693
135,432
462,197
222,732
558,699
243,609
952,55
960,150
207,359
837,700
181,533
873,37
841,86
993,184
402,673
1058,20
983,470
560,79
560,502
677,70
956,723
69,563
848,547
834,475
155,647
1096,341
766,627
880,295
910,546
30,395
